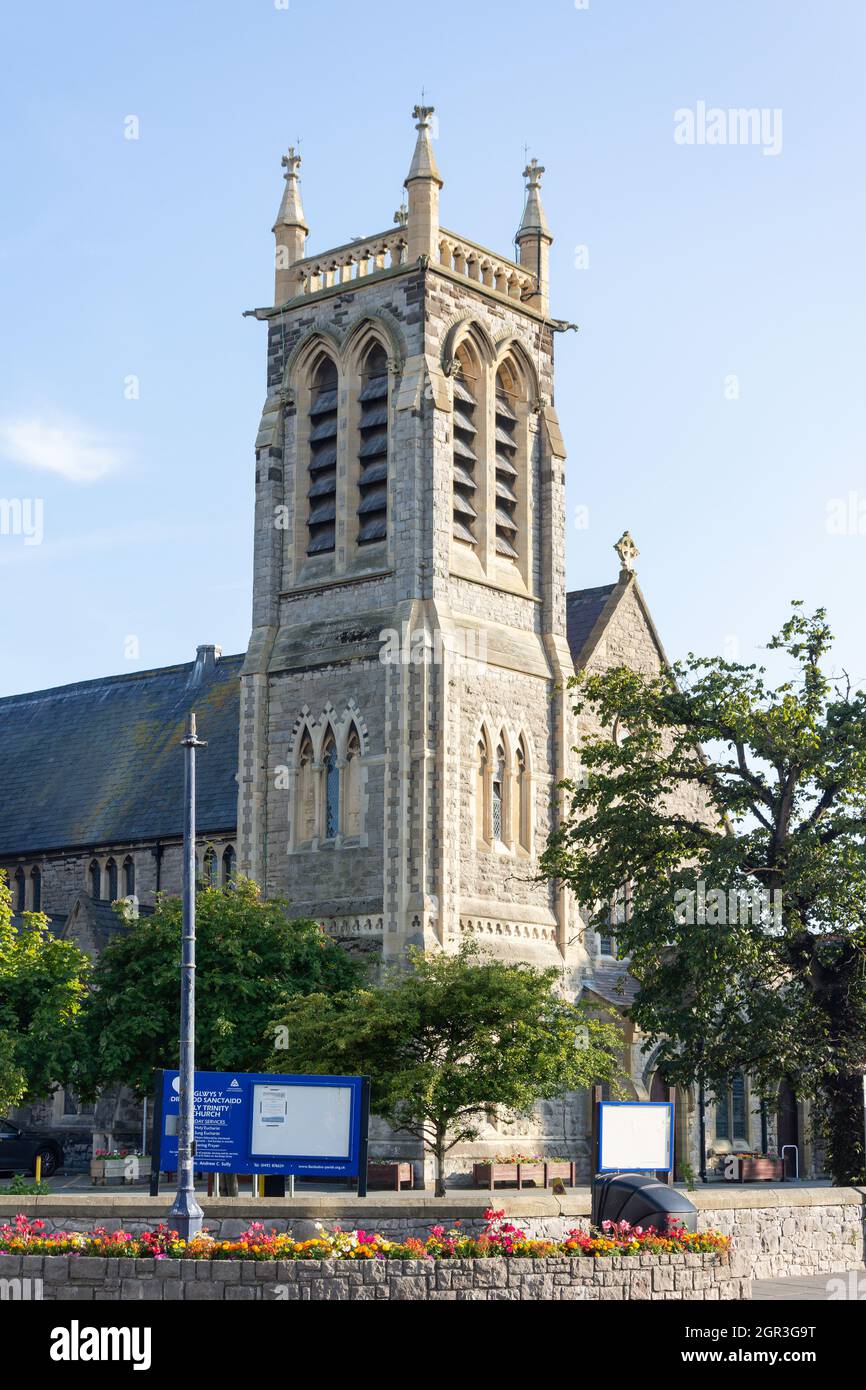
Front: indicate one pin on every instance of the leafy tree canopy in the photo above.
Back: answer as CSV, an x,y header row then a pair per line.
x,y
736,811
450,1042
42,983
251,959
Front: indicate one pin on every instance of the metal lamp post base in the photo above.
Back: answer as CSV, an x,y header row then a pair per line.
x,y
186,1216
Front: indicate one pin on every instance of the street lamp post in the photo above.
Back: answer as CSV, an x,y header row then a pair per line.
x,y
186,1215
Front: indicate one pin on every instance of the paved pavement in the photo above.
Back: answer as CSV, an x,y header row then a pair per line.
x,y
849,1285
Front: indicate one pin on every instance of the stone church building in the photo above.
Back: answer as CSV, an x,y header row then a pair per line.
x,y
385,754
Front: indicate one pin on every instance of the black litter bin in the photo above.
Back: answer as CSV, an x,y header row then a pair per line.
x,y
641,1200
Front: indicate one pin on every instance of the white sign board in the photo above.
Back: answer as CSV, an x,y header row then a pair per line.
x,y
635,1136
313,1121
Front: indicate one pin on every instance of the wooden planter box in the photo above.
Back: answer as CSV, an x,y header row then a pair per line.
x,y
560,1171
761,1170
126,1169
540,1174
394,1176
489,1174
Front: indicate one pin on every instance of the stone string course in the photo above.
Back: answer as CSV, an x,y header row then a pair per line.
x,y
88,1279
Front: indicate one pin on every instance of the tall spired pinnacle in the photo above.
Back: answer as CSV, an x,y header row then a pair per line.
x,y
290,228
534,219
534,236
424,160
423,183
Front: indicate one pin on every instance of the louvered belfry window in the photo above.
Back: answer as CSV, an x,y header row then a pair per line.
x,y
465,421
323,460
506,473
373,451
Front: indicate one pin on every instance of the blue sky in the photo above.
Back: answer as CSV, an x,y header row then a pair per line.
x,y
128,259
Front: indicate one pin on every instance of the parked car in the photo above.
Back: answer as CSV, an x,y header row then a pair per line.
x,y
20,1148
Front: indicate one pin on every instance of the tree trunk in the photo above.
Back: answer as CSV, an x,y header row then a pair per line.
x,y
227,1184
439,1151
843,1127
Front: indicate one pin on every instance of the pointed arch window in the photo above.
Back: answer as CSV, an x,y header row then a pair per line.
x,y
482,765
129,876
322,515
506,465
498,794
352,787
465,463
306,809
111,873
373,449
20,890
332,790
95,880
229,866
524,807
36,889
209,875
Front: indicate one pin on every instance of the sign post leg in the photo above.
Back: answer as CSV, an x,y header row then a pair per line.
x,y
156,1134
364,1146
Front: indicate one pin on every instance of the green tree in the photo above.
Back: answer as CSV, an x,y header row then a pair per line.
x,y
747,866
251,959
453,1040
42,983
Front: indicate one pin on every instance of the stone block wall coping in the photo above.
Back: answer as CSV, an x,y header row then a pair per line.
x,y
349,1210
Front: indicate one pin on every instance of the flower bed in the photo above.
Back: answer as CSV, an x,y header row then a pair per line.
x,y
499,1239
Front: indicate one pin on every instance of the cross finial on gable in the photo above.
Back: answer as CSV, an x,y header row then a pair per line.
x,y
627,552
533,172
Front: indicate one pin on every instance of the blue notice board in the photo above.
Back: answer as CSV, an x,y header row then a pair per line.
x,y
265,1122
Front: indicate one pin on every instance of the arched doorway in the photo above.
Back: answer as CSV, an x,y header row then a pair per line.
x,y
788,1123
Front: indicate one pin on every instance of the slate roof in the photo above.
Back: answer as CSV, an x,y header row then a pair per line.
x,y
99,762
583,608
613,983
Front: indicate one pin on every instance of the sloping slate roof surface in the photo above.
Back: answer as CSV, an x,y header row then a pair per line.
x,y
100,761
613,983
583,608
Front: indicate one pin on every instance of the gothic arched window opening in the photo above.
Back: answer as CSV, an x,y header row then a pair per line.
x,y
465,423
524,809
229,869
20,890
111,873
322,518
128,876
35,889
373,450
506,465
352,786
482,764
498,794
95,881
210,872
306,799
332,791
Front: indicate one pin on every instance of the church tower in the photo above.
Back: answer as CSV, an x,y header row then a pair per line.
x,y
403,725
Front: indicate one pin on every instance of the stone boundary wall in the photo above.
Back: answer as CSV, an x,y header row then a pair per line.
x,y
65,1278
779,1230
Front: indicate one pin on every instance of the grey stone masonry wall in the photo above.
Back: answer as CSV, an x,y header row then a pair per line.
x,y
778,1231
671,1277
